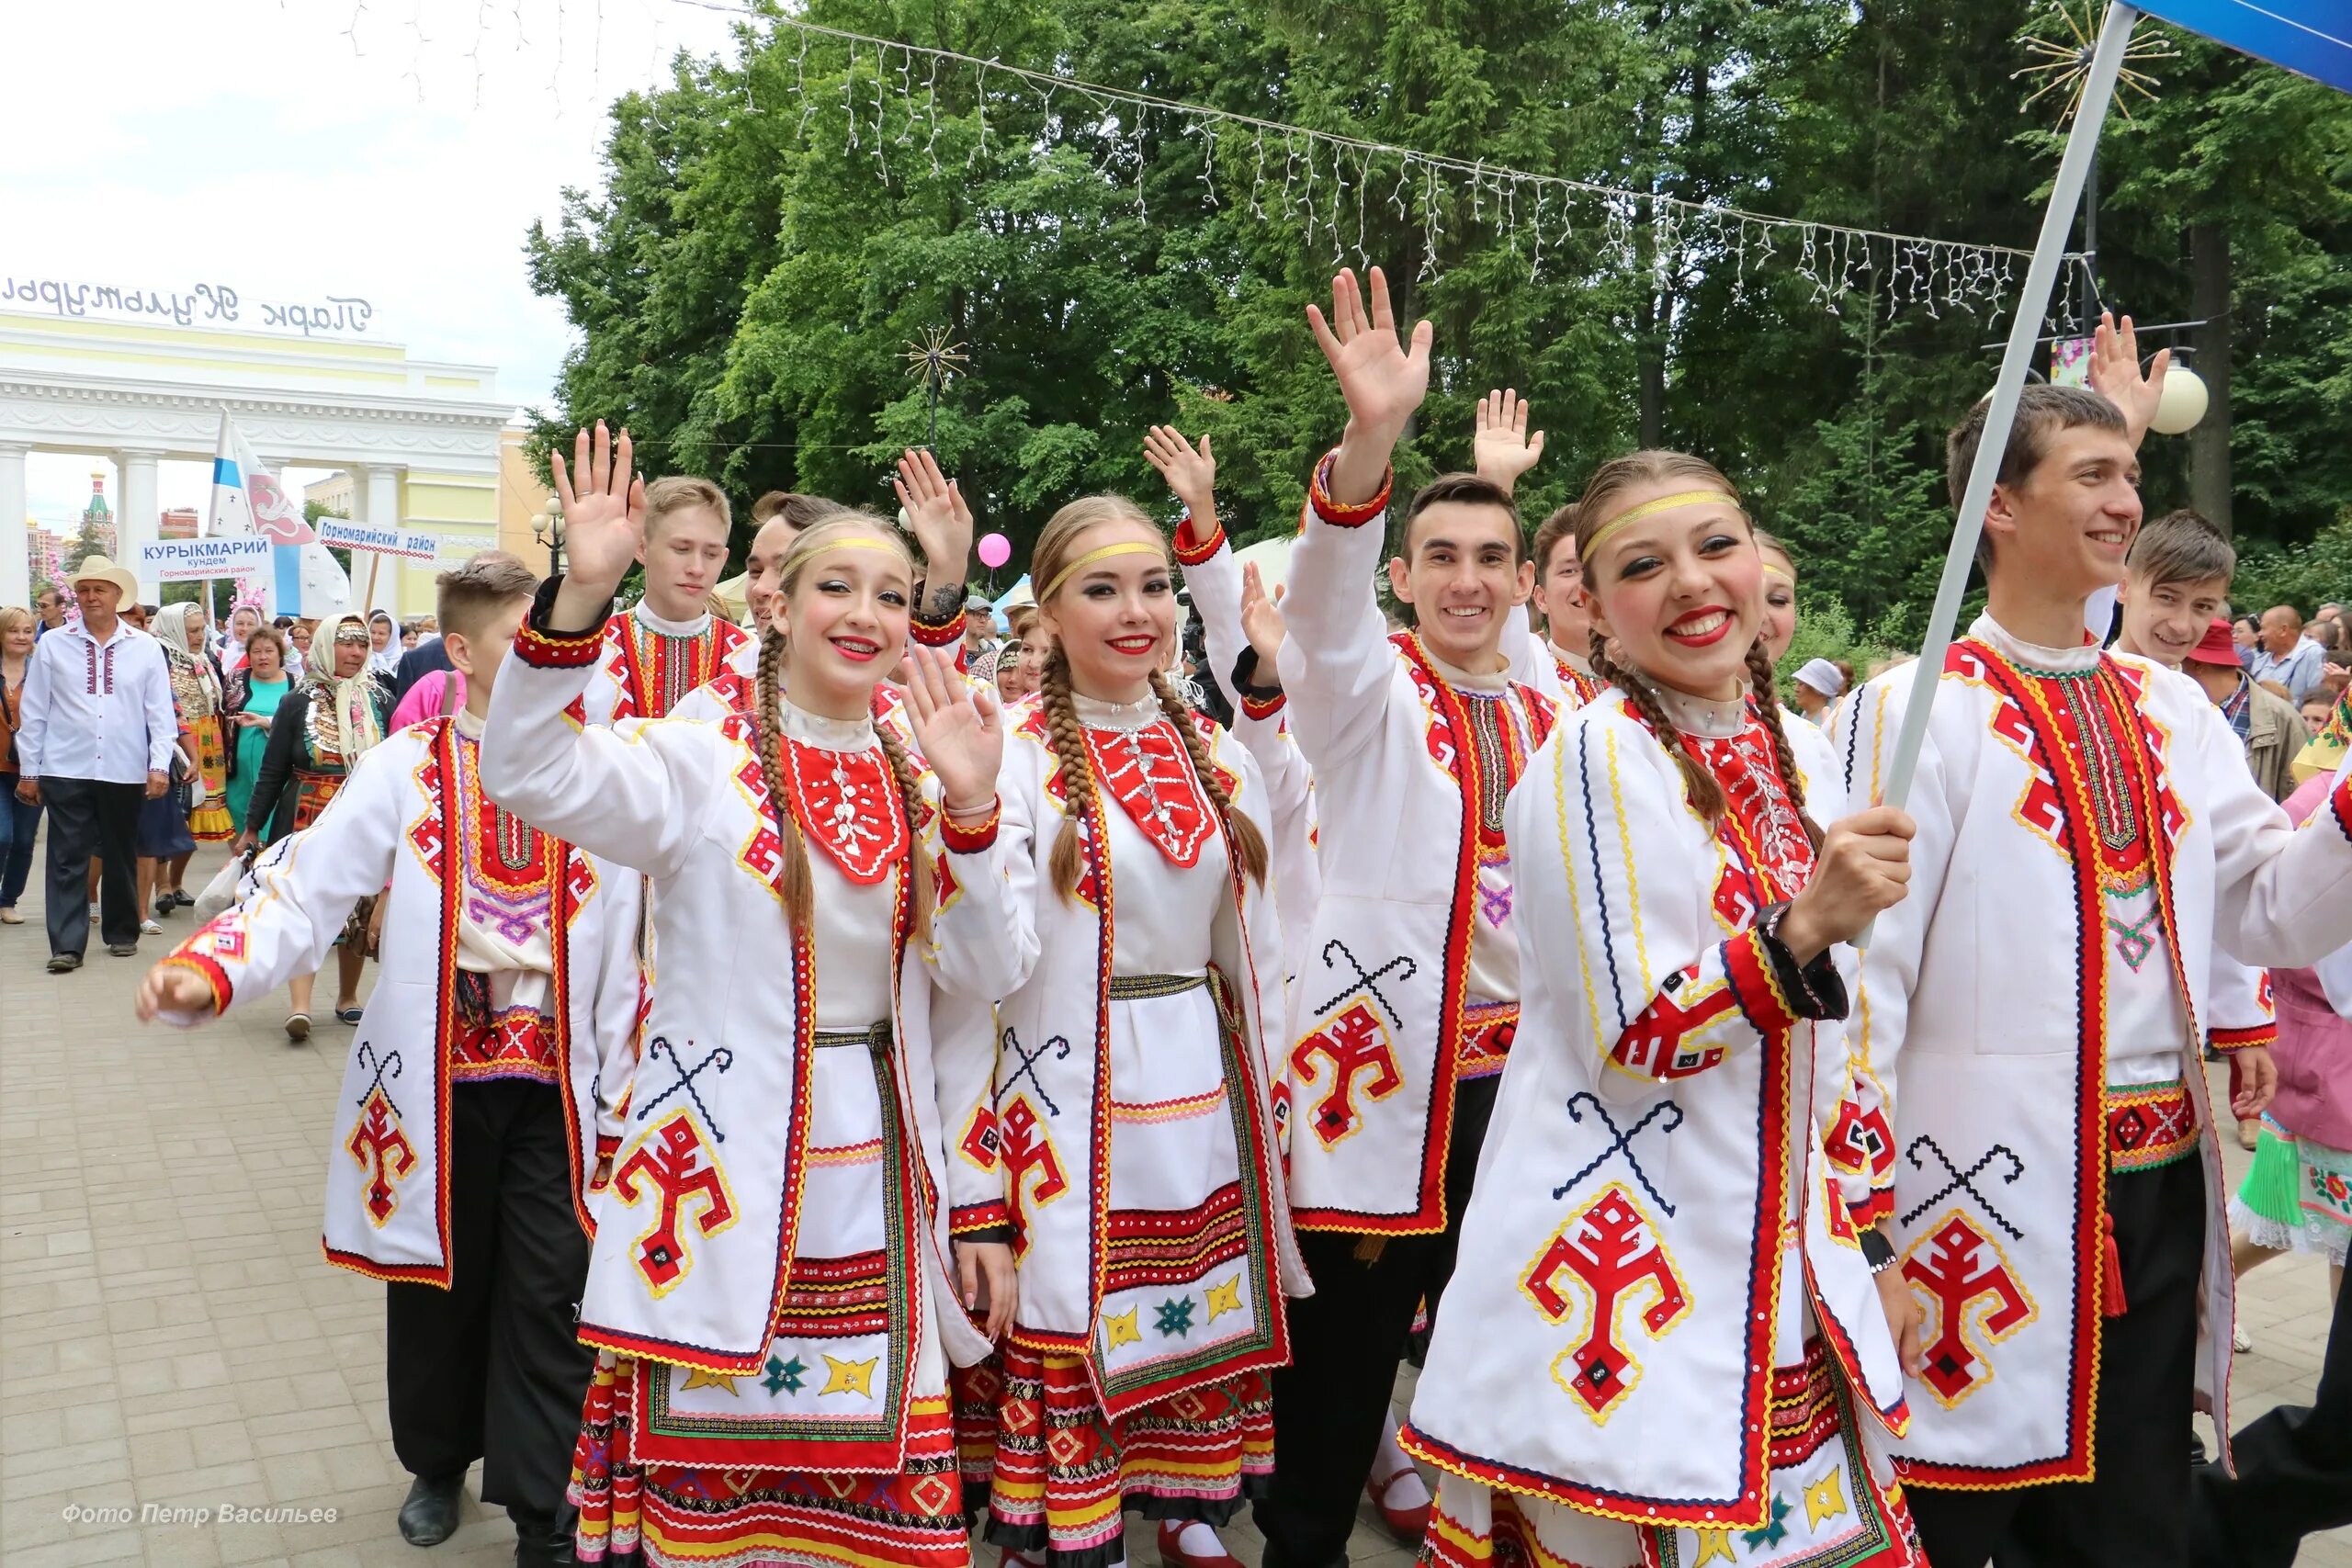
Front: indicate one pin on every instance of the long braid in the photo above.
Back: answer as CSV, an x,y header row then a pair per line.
x,y
1699,785
1067,864
1767,700
1248,841
902,768
800,892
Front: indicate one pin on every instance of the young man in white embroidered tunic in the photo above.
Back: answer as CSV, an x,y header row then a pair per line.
x,y
2030,1018
773,1284
482,1093
1411,988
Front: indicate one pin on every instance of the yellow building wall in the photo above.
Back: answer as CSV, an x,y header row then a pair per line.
x,y
462,509
521,494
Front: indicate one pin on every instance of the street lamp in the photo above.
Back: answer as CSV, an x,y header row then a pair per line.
x,y
547,528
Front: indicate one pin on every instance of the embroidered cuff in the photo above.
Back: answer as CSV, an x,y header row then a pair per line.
x,y
962,839
543,647
1815,990
1262,708
608,1145
1193,555
215,978
2264,1034
991,1221
1318,496
938,634
1759,982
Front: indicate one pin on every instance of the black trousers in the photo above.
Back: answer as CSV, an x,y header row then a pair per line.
x,y
491,1369
1346,1341
87,816
2294,1472
2134,1512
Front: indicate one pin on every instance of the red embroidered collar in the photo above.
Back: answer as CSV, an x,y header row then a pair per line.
x,y
1150,773
847,805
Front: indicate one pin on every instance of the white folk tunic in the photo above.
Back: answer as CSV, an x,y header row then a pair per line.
x,y
645,664
1214,579
1134,1116
401,818
1657,1227
727,1145
2015,1006
1407,804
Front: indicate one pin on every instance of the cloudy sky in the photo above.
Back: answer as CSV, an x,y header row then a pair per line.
x,y
396,150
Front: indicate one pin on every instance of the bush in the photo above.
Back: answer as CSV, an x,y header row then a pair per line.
x,y
2306,575
1824,630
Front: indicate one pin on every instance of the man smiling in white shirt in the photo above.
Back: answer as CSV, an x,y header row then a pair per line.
x,y
97,731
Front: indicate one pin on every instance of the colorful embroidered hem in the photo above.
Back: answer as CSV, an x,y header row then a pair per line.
x,y
1487,1030
1193,555
487,1042
1339,515
2149,1125
696,1516
1064,1475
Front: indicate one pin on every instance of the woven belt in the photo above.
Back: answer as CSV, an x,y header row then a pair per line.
x,y
1141,987
877,1036
2149,1125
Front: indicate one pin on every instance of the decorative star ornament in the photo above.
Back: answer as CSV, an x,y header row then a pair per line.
x,y
932,360
2060,64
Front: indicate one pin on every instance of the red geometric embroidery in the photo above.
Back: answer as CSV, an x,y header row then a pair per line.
x,y
980,1141
673,1159
1150,773
383,1153
847,804
1613,1250
1959,1265
1355,1043
1023,1143
1652,1044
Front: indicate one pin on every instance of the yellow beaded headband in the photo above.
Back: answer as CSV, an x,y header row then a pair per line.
x,y
1128,548
1651,508
865,542
1781,572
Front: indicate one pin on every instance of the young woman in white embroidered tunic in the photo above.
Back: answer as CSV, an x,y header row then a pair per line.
x,y
770,1284
1132,1117
1662,1343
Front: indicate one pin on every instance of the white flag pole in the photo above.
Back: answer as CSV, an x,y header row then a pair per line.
x,y
2024,327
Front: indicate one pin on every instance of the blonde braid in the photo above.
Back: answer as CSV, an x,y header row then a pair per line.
x,y
800,892
1067,864
1247,842
1768,697
902,768
1699,785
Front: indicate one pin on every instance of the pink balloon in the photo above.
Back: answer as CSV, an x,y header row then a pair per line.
x,y
995,550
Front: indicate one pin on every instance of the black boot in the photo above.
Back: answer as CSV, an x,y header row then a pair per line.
x,y
430,1515
544,1540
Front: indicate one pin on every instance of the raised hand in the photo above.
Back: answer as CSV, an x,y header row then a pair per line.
x,y
1261,621
604,518
1382,378
1191,471
2115,373
958,729
173,989
1501,449
942,525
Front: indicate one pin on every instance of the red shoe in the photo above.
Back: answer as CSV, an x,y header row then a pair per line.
x,y
1173,1553
1406,1525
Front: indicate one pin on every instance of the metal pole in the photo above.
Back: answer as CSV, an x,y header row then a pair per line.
x,y
2033,300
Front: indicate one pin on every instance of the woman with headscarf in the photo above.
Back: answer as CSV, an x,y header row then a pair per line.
x,y
318,731
383,644
197,688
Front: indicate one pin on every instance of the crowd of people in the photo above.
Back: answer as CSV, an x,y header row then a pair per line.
x,y
842,1078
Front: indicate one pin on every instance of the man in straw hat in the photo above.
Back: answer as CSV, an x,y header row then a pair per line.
x,y
95,739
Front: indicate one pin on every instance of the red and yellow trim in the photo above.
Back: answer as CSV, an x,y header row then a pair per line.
x,y
554,650
1318,496
972,837
967,1218
1749,968
1251,707
2264,1034
1192,545
215,978
937,634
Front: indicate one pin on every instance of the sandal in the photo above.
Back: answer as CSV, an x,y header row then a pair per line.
x,y
297,1026
348,1015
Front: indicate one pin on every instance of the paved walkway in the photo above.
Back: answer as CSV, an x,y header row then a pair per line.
x,y
172,1340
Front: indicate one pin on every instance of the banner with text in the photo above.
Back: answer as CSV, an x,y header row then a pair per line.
x,y
191,561
406,543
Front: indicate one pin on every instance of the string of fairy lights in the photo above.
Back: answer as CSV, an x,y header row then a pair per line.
x,y
1349,192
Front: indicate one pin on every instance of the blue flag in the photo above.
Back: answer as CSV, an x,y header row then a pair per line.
x,y
2310,38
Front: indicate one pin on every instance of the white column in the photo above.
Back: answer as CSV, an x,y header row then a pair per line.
x,y
141,519
383,503
16,539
